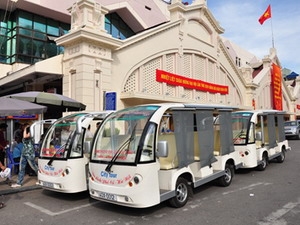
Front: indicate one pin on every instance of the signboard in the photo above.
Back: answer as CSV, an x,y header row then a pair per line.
x,y
186,82
110,101
276,88
21,117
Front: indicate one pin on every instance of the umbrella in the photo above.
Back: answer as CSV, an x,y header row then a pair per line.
x,y
15,107
49,99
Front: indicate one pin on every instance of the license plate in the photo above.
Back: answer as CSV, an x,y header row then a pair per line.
x,y
108,196
48,184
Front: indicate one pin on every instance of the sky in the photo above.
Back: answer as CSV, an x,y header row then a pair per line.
x,y
239,18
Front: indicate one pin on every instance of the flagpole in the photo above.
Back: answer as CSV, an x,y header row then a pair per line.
x,y
273,44
267,15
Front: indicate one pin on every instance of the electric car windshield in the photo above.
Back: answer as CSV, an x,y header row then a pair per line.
x,y
240,126
60,138
122,134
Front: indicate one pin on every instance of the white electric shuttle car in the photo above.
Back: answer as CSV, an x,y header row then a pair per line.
x,y
259,137
64,153
147,154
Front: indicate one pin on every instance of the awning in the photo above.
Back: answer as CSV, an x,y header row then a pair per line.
x,y
42,72
291,76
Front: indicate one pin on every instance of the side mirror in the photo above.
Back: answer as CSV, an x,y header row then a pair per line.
x,y
162,149
258,136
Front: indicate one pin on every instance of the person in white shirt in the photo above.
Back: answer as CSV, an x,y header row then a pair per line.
x,y
89,133
5,171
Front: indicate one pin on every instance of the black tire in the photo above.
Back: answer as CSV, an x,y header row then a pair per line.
x,y
281,158
298,136
263,164
182,193
225,180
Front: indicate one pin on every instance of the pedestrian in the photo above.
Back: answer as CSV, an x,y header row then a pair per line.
x,y
18,133
89,133
4,172
17,152
3,142
28,155
65,134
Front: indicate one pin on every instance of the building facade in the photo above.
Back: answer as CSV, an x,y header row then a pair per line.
x,y
118,54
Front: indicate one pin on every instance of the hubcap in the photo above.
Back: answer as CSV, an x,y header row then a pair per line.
x,y
228,175
181,192
282,155
264,162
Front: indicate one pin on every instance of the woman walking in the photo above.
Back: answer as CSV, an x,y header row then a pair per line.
x,y
28,155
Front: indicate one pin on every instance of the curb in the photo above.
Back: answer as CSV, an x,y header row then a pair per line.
x,y
19,189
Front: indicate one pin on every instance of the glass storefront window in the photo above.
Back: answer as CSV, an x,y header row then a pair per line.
x,y
25,32
38,49
115,26
115,32
52,28
25,37
39,25
13,46
25,20
3,29
51,50
29,38
25,46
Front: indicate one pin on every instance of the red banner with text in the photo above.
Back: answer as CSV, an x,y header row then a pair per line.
x,y
276,87
177,80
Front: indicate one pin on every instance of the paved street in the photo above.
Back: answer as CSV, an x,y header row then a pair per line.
x,y
270,197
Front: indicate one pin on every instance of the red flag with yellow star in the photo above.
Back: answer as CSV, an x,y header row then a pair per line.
x,y
265,16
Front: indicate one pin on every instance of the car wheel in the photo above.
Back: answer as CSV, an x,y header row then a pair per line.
x,y
182,193
281,157
263,164
225,180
